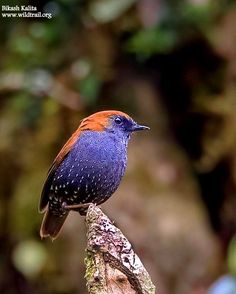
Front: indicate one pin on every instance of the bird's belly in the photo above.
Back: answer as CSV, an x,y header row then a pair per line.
x,y
87,181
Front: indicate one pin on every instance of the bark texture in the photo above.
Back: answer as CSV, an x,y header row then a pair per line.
x,y
111,264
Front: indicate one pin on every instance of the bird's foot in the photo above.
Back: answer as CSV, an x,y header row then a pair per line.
x,y
75,206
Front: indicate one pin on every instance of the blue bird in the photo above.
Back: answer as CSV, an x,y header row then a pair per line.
x,y
88,169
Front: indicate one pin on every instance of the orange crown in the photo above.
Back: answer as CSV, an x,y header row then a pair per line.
x,y
99,120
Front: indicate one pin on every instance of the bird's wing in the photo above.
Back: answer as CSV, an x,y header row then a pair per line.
x,y
58,160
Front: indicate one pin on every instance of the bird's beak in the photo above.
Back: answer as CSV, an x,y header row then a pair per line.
x,y
137,127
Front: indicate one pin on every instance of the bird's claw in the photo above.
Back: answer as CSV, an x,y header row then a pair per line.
x,y
74,206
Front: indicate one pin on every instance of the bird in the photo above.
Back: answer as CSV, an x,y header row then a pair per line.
x,y
88,169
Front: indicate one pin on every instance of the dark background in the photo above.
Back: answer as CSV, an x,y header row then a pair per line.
x,y
170,65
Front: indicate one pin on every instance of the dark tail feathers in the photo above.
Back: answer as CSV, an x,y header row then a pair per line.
x,y
51,225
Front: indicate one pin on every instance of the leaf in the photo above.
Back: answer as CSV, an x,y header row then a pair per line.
x,y
108,10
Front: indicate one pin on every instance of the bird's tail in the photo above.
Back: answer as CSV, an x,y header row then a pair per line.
x,y
51,225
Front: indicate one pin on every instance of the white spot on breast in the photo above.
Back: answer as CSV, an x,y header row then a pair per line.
x,y
87,197
76,175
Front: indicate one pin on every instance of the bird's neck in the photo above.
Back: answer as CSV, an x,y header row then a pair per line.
x,y
104,144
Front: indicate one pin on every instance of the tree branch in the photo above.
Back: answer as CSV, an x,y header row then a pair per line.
x,y
111,264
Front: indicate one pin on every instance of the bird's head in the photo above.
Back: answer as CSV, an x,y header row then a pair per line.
x,y
111,121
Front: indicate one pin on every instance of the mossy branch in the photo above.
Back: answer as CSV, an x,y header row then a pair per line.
x,y
111,264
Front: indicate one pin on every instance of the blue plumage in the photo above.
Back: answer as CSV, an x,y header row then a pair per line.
x,y
88,169
93,177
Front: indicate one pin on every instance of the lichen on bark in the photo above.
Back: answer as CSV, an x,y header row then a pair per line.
x,y
111,263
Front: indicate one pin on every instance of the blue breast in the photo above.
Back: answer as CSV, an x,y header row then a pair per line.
x,y
93,169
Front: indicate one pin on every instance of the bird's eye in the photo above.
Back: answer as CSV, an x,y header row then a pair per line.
x,y
118,120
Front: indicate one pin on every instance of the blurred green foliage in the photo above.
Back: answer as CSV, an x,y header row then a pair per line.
x,y
232,256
